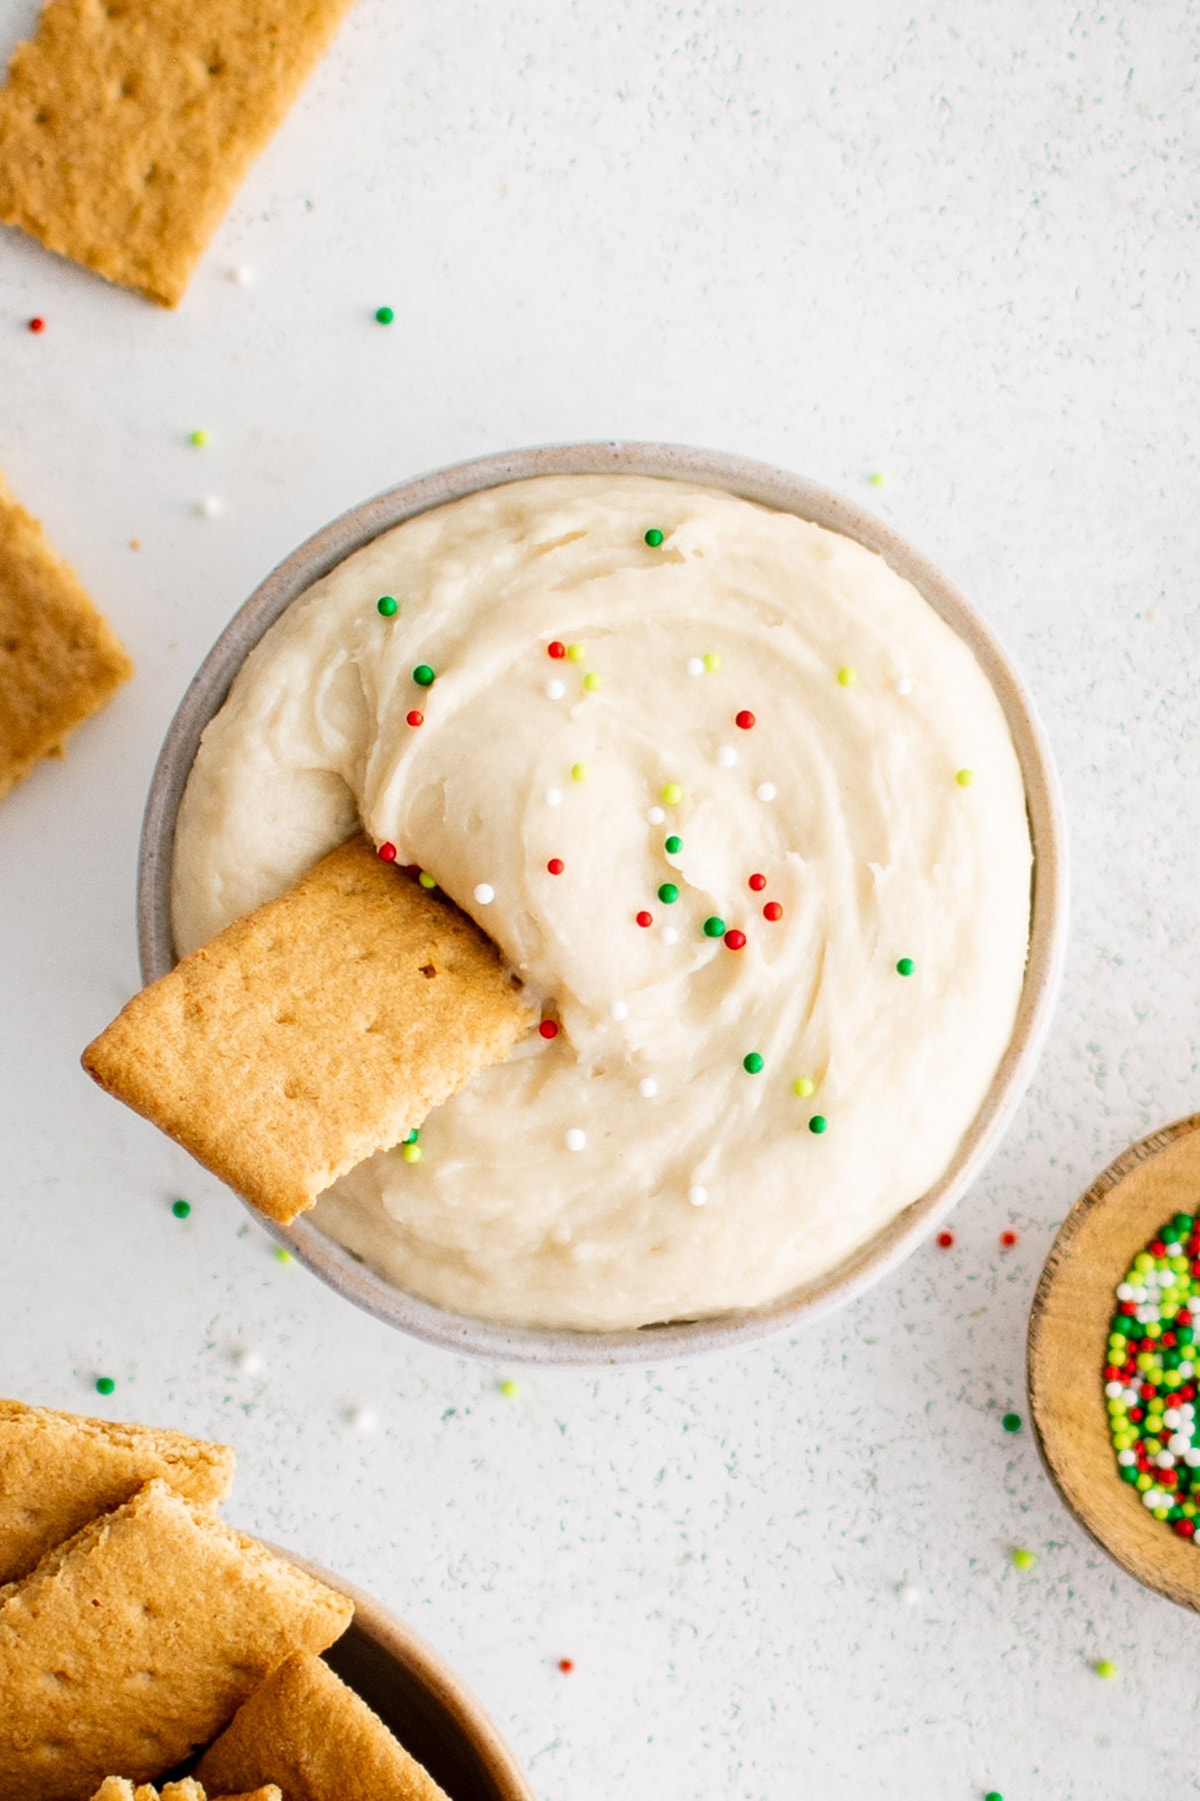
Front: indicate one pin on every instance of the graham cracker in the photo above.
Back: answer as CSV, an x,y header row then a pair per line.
x,y
318,1739
136,1642
60,661
314,1032
59,1470
126,128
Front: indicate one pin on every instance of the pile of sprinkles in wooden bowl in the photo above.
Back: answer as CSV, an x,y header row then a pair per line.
x,y
1150,1375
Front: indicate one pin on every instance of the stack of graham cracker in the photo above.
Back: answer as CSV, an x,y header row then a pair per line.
x,y
140,1636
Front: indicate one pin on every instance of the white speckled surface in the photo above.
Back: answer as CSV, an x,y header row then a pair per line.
x,y
954,245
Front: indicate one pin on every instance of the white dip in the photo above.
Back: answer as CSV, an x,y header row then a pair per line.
x,y
632,1169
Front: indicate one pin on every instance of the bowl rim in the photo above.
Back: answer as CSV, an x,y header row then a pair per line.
x,y
782,491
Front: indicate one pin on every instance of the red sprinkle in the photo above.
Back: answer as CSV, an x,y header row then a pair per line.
x,y
1008,1240
744,720
945,1239
556,866
644,919
772,911
566,1665
735,940
387,853
548,1029
758,883
415,718
556,650
37,325
1185,1528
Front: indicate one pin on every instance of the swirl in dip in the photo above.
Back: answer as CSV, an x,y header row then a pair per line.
x,y
715,1124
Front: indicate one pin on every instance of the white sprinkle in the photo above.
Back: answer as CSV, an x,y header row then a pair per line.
x,y
619,1010
243,275
647,1088
1174,1250
1180,1443
1165,1460
554,797
765,791
727,756
670,935
576,1139
1125,1458
210,506
656,816
485,894
1172,1417
249,1362
1192,1459
697,1194
1124,1292
361,1418
695,665
555,690
904,685
1114,1390
908,1593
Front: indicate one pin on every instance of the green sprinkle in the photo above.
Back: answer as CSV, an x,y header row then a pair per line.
x,y
579,772
412,1136
426,880
752,1063
847,677
877,481
575,653
803,1086
411,1153
714,927
654,537
104,1385
508,1389
965,777
905,966
283,1255
384,315
672,794
181,1209
711,661
817,1123
668,893
199,439
388,605
1106,1670
673,845
1011,1422
992,1794
423,676
1023,1560
591,681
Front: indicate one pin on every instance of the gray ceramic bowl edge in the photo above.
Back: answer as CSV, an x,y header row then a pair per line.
x,y
768,486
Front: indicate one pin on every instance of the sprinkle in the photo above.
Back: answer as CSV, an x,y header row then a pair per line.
x,y
727,756
695,665
672,794
104,1385
386,852
697,1194
548,1029
735,940
673,845
243,275
388,605
765,791
773,911
743,720
554,797
209,507
181,1209
757,883
248,1362
905,966
1008,1240
579,772
575,653
656,816
556,649
847,677
384,315
619,1010
908,1593
644,919
803,1086
647,1088
668,893
1023,1560
817,1124
411,1137
965,777
591,682
670,935
993,1794
945,1239
566,1664
426,880
484,893
752,1063
556,866
36,325
1011,1422
283,1255
199,439
654,537
876,480
1106,1670
555,690
714,927
411,1153
712,661
576,1139
904,685
361,1419
423,676
414,718
508,1388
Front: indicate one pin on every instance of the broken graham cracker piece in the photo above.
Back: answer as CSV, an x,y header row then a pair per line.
x,y
59,1470
318,1740
125,129
136,1642
60,661
314,1032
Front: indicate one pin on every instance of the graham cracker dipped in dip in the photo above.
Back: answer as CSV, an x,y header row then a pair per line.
x,y
742,812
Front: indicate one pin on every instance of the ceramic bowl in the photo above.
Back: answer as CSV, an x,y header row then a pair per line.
x,y
770,487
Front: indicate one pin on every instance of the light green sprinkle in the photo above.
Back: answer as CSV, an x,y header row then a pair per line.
x,y
803,1086
508,1389
965,777
672,794
1023,1560
711,661
411,1153
575,653
199,439
591,682
847,676
877,480
426,880
1105,1669
283,1255
579,772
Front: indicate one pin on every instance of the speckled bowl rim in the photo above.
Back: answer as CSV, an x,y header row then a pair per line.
x,y
770,487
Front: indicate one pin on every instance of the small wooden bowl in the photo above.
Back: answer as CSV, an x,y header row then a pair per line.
x,y
1068,1334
